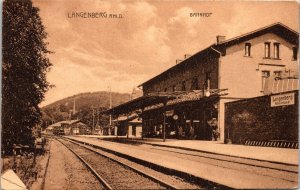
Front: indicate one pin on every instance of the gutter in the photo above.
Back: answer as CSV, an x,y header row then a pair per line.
x,y
216,50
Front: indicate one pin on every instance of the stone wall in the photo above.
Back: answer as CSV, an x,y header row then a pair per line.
x,y
255,119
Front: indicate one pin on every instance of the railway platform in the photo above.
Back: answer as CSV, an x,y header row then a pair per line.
x,y
237,178
271,154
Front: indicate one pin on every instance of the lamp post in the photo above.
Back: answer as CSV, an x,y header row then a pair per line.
x,y
164,124
164,128
93,120
110,106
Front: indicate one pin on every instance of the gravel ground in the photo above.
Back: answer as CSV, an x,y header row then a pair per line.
x,y
65,171
42,161
173,180
115,174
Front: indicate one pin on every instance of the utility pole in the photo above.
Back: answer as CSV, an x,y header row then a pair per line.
x,y
93,119
110,106
97,115
74,107
70,115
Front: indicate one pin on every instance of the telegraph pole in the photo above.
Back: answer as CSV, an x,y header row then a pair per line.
x,y
93,119
110,106
74,107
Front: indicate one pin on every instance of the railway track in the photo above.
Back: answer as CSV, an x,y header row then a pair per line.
x,y
115,172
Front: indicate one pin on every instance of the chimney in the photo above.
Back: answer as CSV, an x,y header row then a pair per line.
x,y
186,56
178,61
220,39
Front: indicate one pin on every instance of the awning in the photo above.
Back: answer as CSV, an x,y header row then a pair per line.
x,y
136,121
159,99
140,103
123,118
279,85
196,95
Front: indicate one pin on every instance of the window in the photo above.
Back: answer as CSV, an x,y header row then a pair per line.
x,y
174,88
247,49
295,53
166,89
207,80
208,75
267,50
183,88
264,76
276,50
277,75
195,85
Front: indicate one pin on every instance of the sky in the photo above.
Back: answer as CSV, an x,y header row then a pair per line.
x,y
91,54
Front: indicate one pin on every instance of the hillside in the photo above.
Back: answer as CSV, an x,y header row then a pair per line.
x,y
84,105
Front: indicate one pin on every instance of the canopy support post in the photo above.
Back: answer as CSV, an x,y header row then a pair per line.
x,y
164,124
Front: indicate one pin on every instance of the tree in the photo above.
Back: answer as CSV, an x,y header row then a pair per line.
x,y
24,68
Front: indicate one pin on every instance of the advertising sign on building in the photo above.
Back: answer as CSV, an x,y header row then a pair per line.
x,y
283,99
169,113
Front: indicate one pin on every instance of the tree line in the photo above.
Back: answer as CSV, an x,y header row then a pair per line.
x,y
24,68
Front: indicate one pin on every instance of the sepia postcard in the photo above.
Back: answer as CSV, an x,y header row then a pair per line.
x,y
149,94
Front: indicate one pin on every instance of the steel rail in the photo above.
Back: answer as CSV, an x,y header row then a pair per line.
x,y
155,179
94,172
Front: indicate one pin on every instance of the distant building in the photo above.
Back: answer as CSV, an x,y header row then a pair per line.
x,y
69,127
130,125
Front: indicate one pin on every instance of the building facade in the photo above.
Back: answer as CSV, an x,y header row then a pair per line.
x,y
242,65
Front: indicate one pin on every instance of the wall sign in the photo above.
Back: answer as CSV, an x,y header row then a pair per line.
x,y
283,99
169,113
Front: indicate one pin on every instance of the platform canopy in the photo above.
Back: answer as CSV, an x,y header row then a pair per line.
x,y
158,99
140,103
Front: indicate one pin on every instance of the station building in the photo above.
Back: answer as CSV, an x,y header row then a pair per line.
x,y
68,127
188,100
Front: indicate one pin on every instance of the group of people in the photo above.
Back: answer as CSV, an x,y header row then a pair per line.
x,y
188,132
191,130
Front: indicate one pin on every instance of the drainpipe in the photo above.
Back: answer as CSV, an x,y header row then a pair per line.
x,y
219,86
164,124
127,124
216,50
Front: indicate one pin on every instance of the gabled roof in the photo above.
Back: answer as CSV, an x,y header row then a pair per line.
x,y
58,124
72,121
68,122
278,28
183,64
138,103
